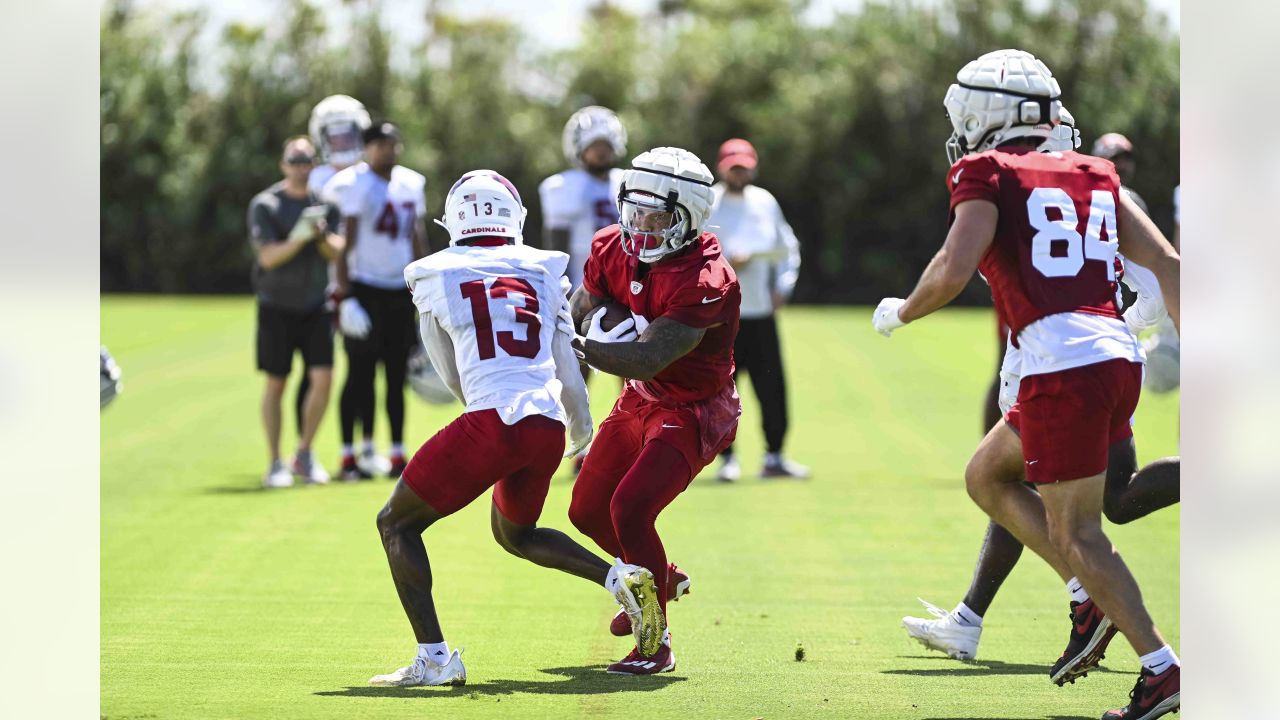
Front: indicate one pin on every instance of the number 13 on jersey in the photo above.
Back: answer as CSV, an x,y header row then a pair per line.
x,y
506,290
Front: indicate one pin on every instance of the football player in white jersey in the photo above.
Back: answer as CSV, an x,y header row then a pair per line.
x,y
495,321
382,205
579,201
336,127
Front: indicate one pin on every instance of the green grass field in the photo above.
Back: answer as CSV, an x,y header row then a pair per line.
x,y
220,600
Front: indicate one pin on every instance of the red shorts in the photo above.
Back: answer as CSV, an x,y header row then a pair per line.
x,y
699,430
479,451
1069,419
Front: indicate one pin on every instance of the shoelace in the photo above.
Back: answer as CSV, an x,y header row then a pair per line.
x,y
934,610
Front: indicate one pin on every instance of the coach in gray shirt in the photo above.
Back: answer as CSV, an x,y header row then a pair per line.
x,y
760,245
289,230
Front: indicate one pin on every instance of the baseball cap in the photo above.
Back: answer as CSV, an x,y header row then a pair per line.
x,y
737,152
381,129
1111,145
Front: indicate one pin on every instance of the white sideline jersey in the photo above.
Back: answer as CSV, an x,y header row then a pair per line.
x,y
500,307
577,201
319,177
386,212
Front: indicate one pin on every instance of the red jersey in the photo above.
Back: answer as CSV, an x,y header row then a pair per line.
x,y
1055,242
698,288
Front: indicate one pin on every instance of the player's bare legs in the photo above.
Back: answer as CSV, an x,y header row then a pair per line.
x,y
401,523
547,547
993,478
272,394
1131,495
1074,511
320,380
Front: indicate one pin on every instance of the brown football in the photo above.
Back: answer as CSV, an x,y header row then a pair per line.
x,y
613,314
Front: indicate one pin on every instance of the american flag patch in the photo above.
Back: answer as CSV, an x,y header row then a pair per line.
x,y
503,212
470,197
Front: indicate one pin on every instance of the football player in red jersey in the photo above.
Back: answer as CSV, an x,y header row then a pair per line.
x,y
679,408
1044,229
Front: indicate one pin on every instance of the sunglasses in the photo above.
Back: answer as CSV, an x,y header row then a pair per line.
x,y
300,160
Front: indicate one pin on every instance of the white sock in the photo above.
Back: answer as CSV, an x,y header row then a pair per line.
x,y
347,451
368,446
397,449
966,617
772,458
1076,590
437,653
1160,660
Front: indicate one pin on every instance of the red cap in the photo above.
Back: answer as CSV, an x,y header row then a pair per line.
x,y
736,152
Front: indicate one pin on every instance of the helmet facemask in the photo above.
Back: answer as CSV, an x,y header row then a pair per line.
x,y
652,227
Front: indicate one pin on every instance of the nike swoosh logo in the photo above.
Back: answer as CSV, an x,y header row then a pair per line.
x,y
709,300
677,427
1032,462
956,178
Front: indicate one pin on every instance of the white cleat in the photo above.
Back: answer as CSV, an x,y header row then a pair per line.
x,y
311,472
944,633
425,672
278,476
373,464
730,470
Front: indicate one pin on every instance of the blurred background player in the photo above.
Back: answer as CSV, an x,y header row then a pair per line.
x,y
1081,368
337,128
679,407
494,319
337,125
109,384
1162,344
289,231
759,244
583,199
382,206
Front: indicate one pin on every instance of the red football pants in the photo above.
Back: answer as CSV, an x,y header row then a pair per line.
x,y
617,498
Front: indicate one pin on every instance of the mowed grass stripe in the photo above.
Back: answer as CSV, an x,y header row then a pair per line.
x,y
223,601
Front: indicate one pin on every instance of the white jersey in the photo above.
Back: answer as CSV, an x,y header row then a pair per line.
x,y
386,212
577,201
499,306
319,177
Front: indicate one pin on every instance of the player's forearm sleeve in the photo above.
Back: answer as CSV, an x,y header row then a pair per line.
x,y
440,349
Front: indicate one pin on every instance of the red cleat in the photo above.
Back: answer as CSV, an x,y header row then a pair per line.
x,y
1153,696
1091,631
679,583
636,664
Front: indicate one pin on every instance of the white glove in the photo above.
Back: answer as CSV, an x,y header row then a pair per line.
x,y
885,319
1008,395
641,324
624,331
580,431
353,320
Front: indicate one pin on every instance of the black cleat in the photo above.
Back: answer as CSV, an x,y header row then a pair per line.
x,y
1153,696
1091,631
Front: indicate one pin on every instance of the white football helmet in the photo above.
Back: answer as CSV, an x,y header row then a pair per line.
x,y
664,198
483,203
1002,95
425,381
1065,136
109,384
588,125
336,126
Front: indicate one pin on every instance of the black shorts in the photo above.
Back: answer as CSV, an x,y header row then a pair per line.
x,y
393,321
282,332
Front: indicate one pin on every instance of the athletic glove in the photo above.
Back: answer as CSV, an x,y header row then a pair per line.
x,y
353,320
624,331
885,319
